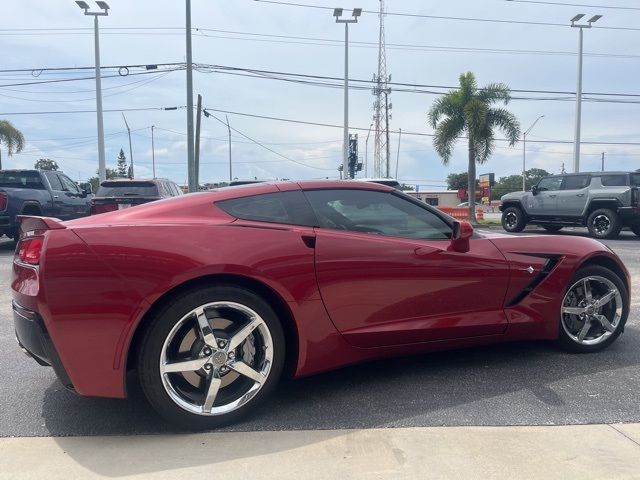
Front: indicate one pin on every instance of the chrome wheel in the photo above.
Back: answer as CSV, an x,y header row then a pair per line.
x,y
601,225
511,220
591,310
216,358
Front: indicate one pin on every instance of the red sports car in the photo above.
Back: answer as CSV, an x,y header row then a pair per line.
x,y
213,296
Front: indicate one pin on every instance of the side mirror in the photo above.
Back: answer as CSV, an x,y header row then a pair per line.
x,y
462,232
534,189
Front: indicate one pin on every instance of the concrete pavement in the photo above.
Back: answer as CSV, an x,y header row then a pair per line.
x,y
552,452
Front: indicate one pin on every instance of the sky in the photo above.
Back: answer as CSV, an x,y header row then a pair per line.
x,y
249,34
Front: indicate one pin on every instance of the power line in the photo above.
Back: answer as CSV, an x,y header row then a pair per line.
x,y
441,17
613,7
61,112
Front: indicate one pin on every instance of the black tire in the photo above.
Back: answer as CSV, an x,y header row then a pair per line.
x,y
636,229
604,223
157,332
571,345
513,219
552,228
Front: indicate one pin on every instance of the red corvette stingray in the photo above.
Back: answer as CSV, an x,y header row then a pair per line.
x,y
214,296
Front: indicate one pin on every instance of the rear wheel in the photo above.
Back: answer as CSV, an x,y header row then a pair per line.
x,y
636,229
552,228
513,220
604,223
593,311
211,356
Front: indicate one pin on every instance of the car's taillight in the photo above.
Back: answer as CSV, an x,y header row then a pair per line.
x,y
97,208
3,200
30,249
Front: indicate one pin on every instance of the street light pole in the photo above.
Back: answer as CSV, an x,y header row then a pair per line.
x,y
104,7
576,143
337,13
130,149
191,164
524,151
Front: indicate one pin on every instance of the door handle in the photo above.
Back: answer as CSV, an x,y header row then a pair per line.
x,y
579,194
55,196
552,196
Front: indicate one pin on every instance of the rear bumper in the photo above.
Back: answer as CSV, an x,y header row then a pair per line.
x,y
34,340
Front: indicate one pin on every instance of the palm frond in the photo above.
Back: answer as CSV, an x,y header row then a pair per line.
x,y
11,137
468,86
447,133
449,105
495,92
475,116
505,121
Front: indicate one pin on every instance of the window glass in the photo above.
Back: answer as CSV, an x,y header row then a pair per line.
x,y
127,188
550,184
282,207
376,212
55,182
576,182
613,180
16,179
635,179
68,184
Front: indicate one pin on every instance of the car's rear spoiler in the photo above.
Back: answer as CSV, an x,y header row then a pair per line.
x,y
29,223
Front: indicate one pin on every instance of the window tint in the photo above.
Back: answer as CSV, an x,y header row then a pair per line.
x,y
27,179
635,179
376,212
282,207
54,181
68,184
127,188
576,182
613,180
550,183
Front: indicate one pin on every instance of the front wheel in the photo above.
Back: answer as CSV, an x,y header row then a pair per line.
x,y
513,220
636,229
593,311
211,356
604,223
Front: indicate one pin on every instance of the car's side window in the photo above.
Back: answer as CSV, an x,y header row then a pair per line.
x,y
282,207
68,184
550,184
613,180
576,182
54,181
635,179
376,212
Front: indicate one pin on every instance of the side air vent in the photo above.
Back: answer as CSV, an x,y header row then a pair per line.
x,y
537,280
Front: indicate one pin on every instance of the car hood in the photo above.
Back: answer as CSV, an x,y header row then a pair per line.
x,y
514,196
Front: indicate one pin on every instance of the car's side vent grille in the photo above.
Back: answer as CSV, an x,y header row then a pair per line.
x,y
537,280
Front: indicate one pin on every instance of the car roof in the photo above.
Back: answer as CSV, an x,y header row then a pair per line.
x,y
122,181
597,174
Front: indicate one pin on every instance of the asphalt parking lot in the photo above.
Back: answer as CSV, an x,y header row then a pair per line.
x,y
530,383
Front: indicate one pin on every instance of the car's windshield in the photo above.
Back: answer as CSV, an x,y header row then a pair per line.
x,y
24,179
127,189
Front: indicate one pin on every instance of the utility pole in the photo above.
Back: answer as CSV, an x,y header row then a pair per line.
x,y
191,169
576,143
153,154
102,167
337,13
130,149
197,152
386,112
229,130
366,152
398,155
603,161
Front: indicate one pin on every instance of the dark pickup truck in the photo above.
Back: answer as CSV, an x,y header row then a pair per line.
x,y
40,193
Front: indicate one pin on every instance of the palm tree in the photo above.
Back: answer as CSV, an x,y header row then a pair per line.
x,y
11,137
469,110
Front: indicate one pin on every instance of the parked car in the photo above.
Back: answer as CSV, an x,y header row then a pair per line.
x,y
38,192
213,297
604,202
121,193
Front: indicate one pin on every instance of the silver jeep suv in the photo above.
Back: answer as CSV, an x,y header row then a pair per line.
x,y
604,202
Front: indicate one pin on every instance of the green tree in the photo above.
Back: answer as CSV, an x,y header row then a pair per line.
x,y
513,183
11,137
470,110
122,165
95,181
456,181
46,164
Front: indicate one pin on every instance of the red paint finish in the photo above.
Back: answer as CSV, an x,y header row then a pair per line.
x,y
352,296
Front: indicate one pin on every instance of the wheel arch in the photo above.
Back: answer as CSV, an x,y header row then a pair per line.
x,y
30,205
513,203
608,203
280,306
610,264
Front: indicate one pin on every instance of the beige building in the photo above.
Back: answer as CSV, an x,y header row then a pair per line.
x,y
441,198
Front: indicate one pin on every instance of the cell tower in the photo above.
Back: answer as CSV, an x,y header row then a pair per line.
x,y
381,106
